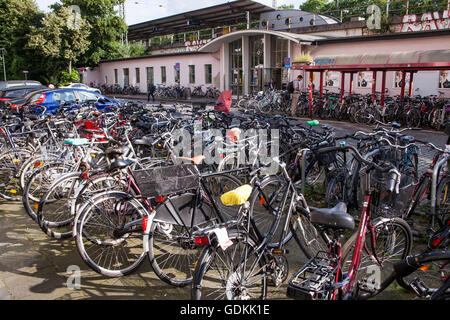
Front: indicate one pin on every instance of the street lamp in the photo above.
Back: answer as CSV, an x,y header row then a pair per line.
x,y
3,58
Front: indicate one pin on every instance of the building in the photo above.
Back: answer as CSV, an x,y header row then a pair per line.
x,y
242,44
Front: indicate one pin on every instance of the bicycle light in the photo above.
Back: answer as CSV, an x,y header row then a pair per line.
x,y
202,241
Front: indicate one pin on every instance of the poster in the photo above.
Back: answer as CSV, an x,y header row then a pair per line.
x,y
444,79
332,79
365,79
398,79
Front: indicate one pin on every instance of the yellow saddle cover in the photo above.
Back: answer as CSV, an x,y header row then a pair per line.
x,y
237,196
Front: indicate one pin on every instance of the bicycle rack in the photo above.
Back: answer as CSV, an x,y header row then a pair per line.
x,y
315,279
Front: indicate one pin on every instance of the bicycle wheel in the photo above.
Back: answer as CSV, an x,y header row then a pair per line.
x,y
38,184
264,205
391,243
10,163
54,211
336,190
443,201
232,274
100,238
307,236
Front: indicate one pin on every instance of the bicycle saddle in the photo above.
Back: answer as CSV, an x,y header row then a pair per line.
x,y
408,139
146,141
336,217
114,151
237,196
120,164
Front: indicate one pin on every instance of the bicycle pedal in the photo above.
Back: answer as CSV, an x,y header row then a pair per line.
x,y
419,288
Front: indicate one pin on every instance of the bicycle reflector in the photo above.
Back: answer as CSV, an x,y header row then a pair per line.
x,y
159,199
202,241
436,241
425,267
144,223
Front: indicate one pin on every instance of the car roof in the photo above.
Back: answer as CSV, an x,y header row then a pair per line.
x,y
22,88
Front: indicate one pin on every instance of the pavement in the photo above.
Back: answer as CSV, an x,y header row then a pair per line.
x,y
36,267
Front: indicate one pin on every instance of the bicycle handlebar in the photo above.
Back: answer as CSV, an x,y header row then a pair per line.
x,y
358,157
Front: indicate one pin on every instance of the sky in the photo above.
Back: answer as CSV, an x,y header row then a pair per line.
x,y
144,10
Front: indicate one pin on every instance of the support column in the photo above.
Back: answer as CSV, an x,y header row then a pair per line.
x,y
351,84
383,89
245,64
321,84
268,58
311,92
342,86
411,83
374,86
402,94
225,59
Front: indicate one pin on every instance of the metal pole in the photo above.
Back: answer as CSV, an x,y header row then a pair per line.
x,y
387,7
3,58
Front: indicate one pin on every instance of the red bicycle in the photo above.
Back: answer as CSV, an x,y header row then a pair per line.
x,y
357,268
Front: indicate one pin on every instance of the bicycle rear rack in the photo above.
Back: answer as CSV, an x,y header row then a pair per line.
x,y
315,280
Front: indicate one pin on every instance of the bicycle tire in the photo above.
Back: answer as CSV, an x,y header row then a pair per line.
x,y
372,265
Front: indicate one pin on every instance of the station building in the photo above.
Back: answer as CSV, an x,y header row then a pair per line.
x,y
243,44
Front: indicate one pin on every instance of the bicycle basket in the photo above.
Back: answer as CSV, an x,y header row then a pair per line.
x,y
325,159
385,203
163,181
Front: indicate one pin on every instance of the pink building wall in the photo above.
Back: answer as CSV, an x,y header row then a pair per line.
x,y
421,79
104,73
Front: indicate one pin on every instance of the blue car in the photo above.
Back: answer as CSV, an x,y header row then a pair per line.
x,y
53,99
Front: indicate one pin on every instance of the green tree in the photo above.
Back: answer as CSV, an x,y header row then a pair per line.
x,y
106,27
286,6
58,40
314,6
17,16
122,50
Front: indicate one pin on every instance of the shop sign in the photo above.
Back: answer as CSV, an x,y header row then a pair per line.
x,y
196,44
287,63
427,22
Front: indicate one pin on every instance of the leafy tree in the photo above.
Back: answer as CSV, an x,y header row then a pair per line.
x,y
121,50
16,17
314,6
56,39
106,27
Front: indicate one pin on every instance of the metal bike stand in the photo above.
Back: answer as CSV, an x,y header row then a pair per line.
x,y
303,162
434,179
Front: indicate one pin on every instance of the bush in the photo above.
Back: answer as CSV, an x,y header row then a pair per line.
x,y
65,78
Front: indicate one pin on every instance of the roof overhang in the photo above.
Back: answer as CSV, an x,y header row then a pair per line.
x,y
223,14
215,45
408,61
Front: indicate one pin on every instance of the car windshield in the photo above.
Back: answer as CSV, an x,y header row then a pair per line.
x,y
88,96
15,93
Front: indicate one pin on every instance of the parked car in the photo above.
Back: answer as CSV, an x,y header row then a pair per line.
x,y
8,94
81,86
18,83
53,99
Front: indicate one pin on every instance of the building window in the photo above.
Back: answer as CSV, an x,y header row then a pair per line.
x,y
177,76
126,77
208,73
150,75
116,78
138,75
163,75
191,74
106,79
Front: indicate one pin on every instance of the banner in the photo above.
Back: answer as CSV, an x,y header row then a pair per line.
x,y
365,80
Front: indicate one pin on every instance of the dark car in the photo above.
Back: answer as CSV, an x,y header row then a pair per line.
x,y
6,95
19,83
53,99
